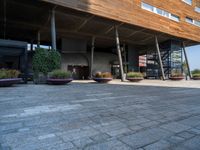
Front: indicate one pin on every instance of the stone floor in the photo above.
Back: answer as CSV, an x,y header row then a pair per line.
x,y
100,117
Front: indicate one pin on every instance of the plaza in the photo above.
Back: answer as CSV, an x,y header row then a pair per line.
x,y
148,115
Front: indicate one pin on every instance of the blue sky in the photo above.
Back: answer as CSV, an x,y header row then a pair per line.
x,y
194,57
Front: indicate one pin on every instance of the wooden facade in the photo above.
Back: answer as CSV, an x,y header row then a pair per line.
x,y
130,12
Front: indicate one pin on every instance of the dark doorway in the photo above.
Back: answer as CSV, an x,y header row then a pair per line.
x,y
79,72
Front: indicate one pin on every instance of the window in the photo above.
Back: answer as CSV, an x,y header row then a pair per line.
x,y
174,17
147,7
197,23
189,2
197,9
189,20
160,12
192,21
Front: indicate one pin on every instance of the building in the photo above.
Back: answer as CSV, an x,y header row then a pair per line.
x,y
102,35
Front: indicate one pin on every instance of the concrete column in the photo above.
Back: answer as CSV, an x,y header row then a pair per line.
x,y
53,30
92,57
119,54
133,58
159,56
186,60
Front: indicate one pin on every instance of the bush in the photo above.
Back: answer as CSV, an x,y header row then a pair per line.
x,y
196,75
196,71
103,75
45,61
60,74
5,74
176,73
134,75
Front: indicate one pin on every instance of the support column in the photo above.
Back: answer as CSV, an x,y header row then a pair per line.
x,y
119,54
38,39
186,60
92,56
159,56
53,30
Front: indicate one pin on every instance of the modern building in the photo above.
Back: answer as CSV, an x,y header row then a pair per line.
x,y
105,35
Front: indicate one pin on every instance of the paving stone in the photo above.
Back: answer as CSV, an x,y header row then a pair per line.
x,y
81,143
175,127
131,117
146,137
160,145
186,135
109,145
100,137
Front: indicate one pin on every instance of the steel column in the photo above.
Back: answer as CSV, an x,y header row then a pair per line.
x,y
186,60
92,56
119,54
53,30
159,56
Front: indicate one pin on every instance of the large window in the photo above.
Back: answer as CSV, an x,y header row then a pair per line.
x,y
197,9
189,2
192,21
161,12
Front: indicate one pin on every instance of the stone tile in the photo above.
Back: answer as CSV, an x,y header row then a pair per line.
x,y
160,145
100,137
146,137
83,142
175,127
186,135
109,145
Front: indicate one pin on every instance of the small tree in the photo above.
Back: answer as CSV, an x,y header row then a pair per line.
x,y
45,61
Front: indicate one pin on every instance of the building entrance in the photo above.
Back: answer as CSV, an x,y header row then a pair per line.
x,y
79,72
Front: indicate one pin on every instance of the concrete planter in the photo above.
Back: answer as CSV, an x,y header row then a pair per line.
x,y
176,78
134,79
102,80
9,82
59,81
196,78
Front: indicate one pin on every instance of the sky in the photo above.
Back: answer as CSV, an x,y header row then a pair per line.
x,y
193,54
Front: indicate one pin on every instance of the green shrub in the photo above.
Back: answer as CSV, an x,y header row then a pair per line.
x,y
60,74
45,61
4,74
103,75
134,75
196,71
196,75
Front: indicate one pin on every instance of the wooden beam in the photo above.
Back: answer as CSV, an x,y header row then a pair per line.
x,y
119,54
159,56
186,60
53,30
84,23
92,57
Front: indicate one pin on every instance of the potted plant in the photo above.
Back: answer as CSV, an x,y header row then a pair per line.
x,y
176,76
134,76
196,74
59,77
9,77
45,61
102,77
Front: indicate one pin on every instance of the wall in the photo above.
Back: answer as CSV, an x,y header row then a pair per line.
x,y
101,61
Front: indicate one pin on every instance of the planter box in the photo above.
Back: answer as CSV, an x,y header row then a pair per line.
x,y
196,78
40,79
102,80
135,79
176,78
9,82
59,81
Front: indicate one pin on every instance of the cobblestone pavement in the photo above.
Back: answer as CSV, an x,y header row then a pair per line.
x,y
99,117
